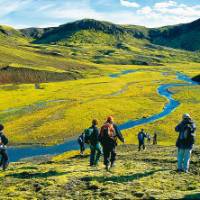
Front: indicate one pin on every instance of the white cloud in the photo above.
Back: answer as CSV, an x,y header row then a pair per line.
x,y
166,4
145,10
127,3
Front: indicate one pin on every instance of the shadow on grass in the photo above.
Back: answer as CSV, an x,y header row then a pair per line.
x,y
27,175
191,196
122,179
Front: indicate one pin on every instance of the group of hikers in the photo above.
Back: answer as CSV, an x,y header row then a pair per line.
x,y
101,142
141,139
104,142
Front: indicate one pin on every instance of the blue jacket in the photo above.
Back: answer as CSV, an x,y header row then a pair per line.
x,y
186,130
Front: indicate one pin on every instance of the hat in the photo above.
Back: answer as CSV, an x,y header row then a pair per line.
x,y
1,127
110,119
186,116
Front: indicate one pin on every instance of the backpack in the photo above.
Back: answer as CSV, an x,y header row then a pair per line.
x,y
88,132
108,131
4,139
80,139
140,136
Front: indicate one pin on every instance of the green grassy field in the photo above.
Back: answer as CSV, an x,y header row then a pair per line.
x,y
146,175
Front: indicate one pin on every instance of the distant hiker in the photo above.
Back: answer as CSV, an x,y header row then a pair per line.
x,y
108,137
92,138
148,138
81,141
3,152
185,142
141,139
155,139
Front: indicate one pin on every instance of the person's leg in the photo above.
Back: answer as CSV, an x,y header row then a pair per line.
x,y
82,148
113,156
143,146
139,147
106,154
98,154
187,157
92,155
4,159
180,157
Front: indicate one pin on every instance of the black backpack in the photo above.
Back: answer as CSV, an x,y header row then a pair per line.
x,y
4,139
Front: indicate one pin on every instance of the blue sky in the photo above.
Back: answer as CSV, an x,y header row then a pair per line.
x,y
150,13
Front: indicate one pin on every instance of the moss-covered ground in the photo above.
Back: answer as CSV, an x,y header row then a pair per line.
x,y
150,174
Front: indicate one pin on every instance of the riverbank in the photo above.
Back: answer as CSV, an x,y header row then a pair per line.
x,y
138,175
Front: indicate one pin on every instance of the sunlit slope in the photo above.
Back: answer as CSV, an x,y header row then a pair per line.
x,y
144,175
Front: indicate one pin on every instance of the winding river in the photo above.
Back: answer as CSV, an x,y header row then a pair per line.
x,y
17,153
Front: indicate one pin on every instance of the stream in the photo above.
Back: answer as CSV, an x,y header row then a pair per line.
x,y
17,153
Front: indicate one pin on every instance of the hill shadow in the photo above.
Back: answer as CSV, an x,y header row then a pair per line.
x,y
27,175
122,179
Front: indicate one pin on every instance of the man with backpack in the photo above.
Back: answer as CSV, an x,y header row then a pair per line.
x,y
185,142
108,138
141,139
3,142
92,138
81,141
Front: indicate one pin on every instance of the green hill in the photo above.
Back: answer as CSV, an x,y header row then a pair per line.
x,y
183,36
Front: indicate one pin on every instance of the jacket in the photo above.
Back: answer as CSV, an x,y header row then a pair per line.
x,y
186,130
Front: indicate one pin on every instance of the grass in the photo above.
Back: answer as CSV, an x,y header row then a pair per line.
x,y
145,175
49,115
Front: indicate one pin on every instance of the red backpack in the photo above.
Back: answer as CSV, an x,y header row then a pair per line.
x,y
108,131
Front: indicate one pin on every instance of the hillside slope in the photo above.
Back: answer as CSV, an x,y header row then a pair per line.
x,y
182,36
145,175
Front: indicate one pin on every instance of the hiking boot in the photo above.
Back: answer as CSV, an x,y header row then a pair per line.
x,y
113,165
180,170
5,165
107,167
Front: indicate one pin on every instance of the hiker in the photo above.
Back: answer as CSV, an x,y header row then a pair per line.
x,y
148,138
141,139
155,139
3,142
185,142
108,138
92,138
81,141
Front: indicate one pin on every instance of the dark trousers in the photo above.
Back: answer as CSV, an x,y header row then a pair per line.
x,y
4,158
82,147
141,144
109,155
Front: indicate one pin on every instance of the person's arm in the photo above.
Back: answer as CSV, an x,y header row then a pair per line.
x,y
118,133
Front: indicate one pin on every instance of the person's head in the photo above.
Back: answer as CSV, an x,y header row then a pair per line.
x,y
142,130
186,116
94,122
110,119
1,127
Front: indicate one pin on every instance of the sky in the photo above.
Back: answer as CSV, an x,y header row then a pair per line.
x,y
46,13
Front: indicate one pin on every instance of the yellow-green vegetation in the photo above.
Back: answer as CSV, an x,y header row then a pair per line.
x,y
138,175
64,109
59,111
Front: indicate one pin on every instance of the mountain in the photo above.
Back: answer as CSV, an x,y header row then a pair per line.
x,y
182,36
83,31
